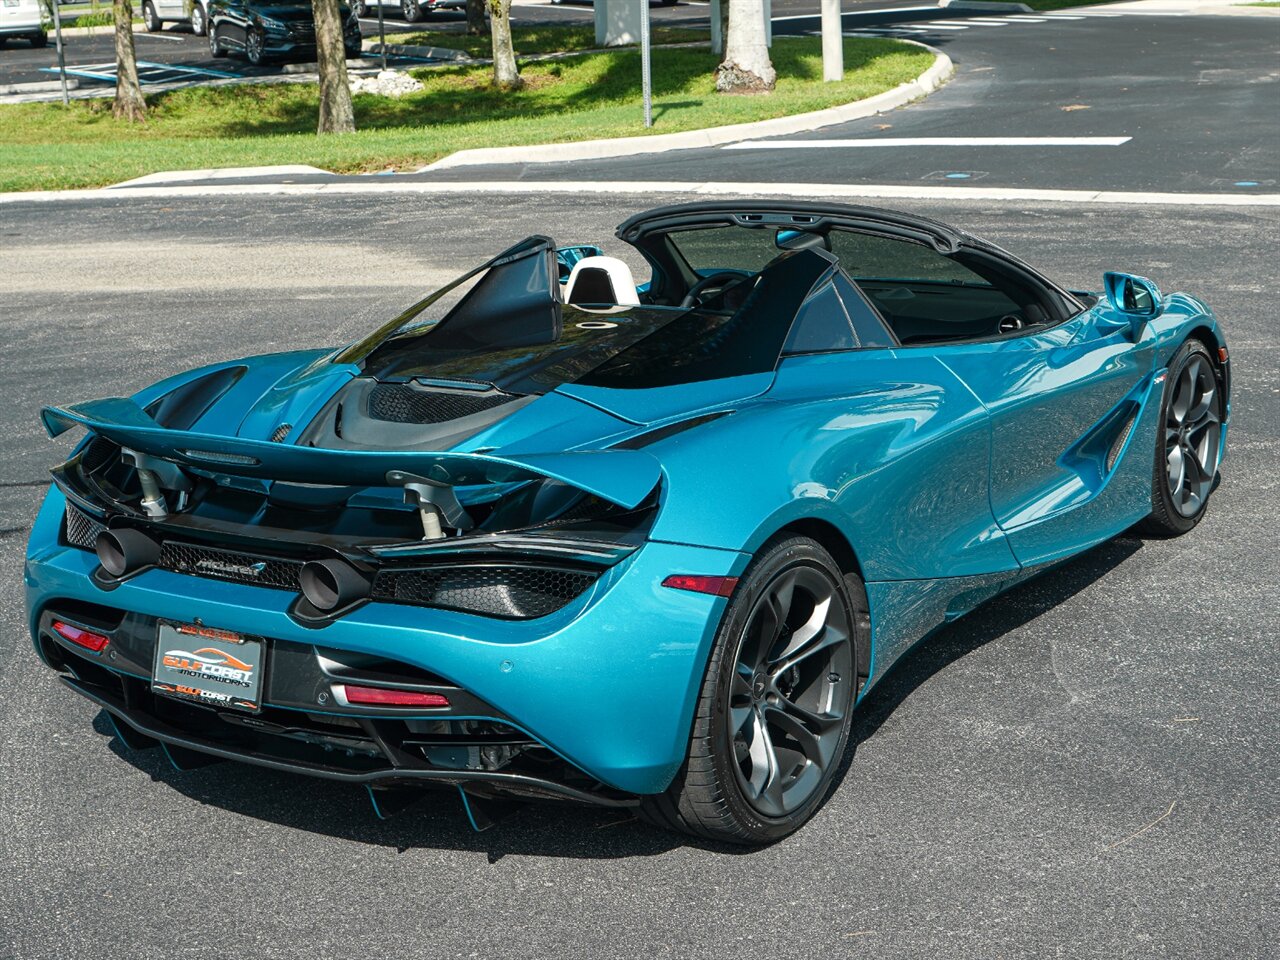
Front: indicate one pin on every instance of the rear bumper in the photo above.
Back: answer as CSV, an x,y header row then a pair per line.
x,y
608,682
21,29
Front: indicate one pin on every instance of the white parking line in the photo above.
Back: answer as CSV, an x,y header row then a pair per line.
x,y
928,142
375,186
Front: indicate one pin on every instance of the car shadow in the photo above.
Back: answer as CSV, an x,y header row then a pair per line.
x,y
438,820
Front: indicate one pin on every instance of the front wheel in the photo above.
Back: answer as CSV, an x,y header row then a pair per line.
x,y
1189,447
360,9
411,10
149,18
772,721
254,47
215,45
199,20
39,40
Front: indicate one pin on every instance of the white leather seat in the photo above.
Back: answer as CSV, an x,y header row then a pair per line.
x,y
601,280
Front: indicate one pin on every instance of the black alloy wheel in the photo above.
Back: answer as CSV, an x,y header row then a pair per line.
x,y
772,723
1189,448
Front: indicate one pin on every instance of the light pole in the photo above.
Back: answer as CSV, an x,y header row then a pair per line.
x,y
382,37
646,71
62,60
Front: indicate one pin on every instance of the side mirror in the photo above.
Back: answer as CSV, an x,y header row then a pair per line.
x,y
1136,299
1136,296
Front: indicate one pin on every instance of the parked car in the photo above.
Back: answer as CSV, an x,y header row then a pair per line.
x,y
643,546
25,19
411,10
156,13
266,31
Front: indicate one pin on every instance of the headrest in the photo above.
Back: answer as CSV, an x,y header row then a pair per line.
x,y
601,280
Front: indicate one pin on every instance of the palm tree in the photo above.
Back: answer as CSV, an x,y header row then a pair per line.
x,y
129,104
336,112
506,76
746,67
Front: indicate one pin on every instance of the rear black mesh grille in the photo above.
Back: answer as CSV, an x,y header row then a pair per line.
x,y
237,567
498,591
82,529
401,403
494,590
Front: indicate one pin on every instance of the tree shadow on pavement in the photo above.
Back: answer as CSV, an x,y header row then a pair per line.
x,y
553,829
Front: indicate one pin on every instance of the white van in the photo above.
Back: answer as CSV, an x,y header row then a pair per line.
x,y
25,19
156,13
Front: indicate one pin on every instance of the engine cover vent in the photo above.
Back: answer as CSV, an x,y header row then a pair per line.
x,y
404,403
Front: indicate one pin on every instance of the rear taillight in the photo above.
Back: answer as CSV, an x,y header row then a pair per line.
x,y
93,642
716,586
387,697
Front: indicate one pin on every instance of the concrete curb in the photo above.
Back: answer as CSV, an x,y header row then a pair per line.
x,y
921,86
412,50
991,6
39,86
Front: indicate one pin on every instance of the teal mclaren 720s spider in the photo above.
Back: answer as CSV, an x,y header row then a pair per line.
x,y
552,533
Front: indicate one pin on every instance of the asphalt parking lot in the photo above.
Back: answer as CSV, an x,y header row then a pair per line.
x,y
1084,767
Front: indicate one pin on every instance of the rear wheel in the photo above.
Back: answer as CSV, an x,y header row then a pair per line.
x,y
39,40
772,721
1189,448
149,18
360,9
411,10
215,45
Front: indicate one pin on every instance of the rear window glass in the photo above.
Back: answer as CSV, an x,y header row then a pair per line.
x,y
726,248
867,257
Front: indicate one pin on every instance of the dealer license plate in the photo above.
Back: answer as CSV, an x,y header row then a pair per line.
x,y
214,667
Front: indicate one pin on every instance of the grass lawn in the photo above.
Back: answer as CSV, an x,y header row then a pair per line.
x,y
536,39
47,146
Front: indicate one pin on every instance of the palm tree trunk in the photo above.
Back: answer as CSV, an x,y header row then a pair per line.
x,y
506,76
477,25
336,112
746,67
129,103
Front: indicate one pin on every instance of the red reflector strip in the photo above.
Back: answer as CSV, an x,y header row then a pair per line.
x,y
81,638
716,586
385,697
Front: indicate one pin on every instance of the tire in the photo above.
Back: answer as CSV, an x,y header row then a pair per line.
x,y
360,9
149,19
1188,443
199,20
215,45
410,10
39,40
748,778
254,46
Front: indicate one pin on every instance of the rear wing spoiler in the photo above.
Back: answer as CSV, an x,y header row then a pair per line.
x,y
622,477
